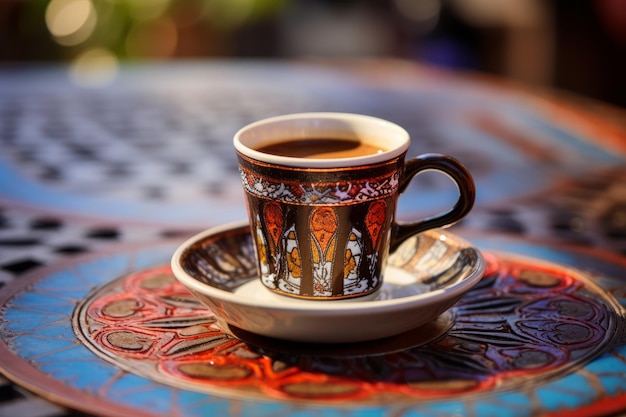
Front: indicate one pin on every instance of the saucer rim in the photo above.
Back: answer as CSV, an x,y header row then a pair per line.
x,y
351,306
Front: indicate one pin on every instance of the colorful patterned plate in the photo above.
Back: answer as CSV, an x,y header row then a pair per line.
x,y
116,334
425,277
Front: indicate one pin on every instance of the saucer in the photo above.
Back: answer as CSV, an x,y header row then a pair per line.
x,y
412,339
425,276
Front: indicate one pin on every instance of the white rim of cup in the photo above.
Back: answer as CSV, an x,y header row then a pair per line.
x,y
327,124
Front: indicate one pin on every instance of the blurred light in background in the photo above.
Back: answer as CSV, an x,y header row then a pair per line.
x,y
579,45
71,22
94,68
151,29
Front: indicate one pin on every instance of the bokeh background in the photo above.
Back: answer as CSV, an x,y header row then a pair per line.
x,y
572,45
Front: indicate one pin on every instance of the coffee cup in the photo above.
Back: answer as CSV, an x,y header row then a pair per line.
x,y
321,192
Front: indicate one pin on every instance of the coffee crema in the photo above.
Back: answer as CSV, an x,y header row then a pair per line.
x,y
320,148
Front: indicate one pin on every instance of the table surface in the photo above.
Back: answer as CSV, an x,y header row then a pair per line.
x,y
98,186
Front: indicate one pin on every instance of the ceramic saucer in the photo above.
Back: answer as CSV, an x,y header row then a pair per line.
x,y
424,278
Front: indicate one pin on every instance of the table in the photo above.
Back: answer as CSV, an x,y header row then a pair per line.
x,y
98,186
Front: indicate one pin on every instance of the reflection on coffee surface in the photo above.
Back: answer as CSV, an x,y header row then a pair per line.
x,y
320,148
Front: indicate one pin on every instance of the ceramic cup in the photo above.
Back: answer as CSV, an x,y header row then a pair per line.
x,y
323,225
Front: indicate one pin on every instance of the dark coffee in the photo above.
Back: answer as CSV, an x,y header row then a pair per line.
x,y
320,148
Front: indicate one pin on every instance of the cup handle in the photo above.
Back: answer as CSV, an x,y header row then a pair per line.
x,y
457,172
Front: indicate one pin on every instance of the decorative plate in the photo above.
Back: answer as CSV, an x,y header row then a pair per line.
x,y
117,334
